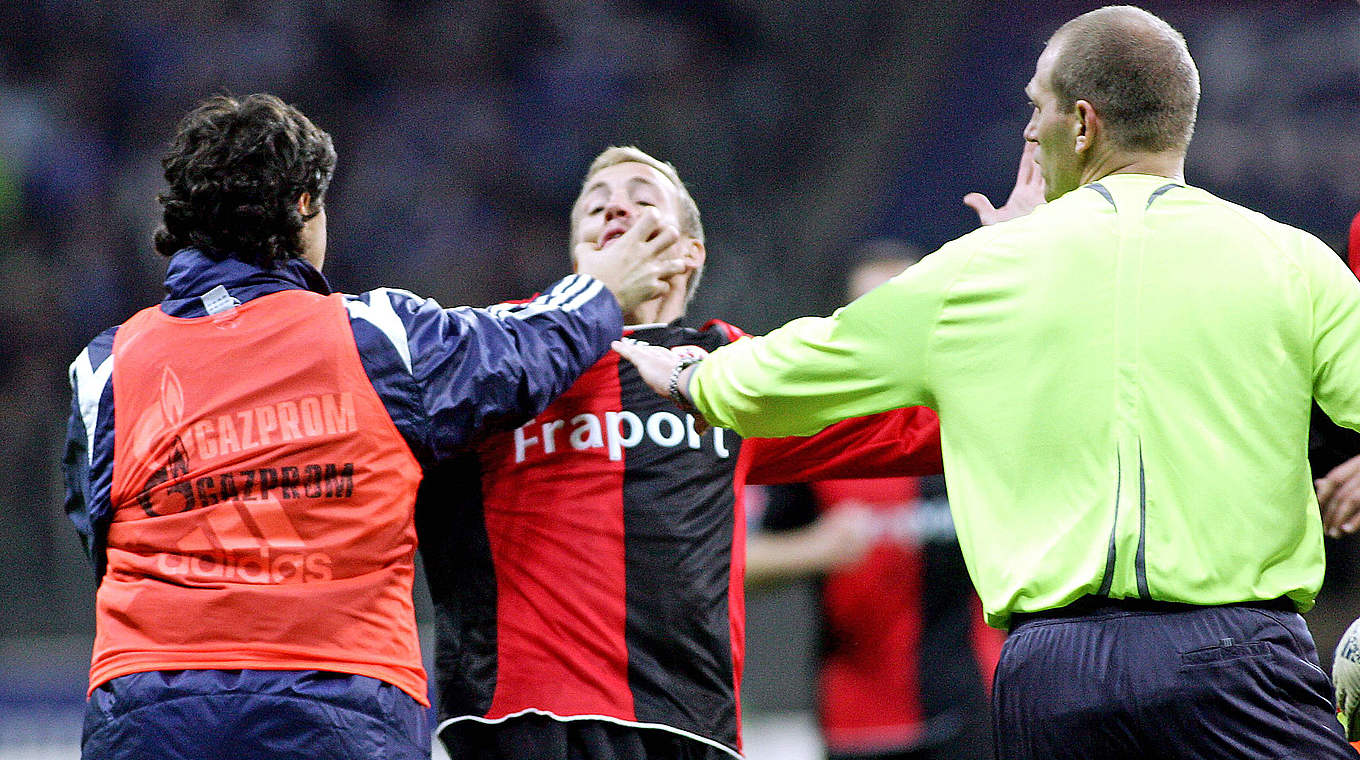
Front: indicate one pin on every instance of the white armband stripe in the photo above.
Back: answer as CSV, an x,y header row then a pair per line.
x,y
89,383
565,290
570,294
551,300
585,296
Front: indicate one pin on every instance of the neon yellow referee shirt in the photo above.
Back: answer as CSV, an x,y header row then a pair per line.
x,y
1123,381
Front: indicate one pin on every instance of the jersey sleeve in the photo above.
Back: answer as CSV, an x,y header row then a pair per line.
x,y
870,356
895,443
87,464
1330,444
451,374
1335,296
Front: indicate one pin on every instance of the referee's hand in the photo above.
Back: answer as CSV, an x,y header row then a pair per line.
x,y
1346,679
1027,195
657,366
654,363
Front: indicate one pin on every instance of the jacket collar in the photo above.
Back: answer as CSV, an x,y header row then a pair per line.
x,y
193,273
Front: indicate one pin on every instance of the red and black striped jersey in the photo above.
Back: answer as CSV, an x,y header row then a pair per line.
x,y
589,564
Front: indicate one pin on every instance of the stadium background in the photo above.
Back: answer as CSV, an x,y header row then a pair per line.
x,y
804,128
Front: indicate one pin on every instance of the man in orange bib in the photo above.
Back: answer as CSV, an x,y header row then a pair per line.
x,y
242,459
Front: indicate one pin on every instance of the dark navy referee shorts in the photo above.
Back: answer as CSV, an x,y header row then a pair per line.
x,y
1164,681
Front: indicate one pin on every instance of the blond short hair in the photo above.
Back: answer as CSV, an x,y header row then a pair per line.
x,y
690,224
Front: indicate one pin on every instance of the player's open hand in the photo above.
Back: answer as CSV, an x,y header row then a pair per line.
x,y
1338,495
1026,196
639,265
844,536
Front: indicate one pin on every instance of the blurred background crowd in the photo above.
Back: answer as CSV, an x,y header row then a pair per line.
x,y
804,129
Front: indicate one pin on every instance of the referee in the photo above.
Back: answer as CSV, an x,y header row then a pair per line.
x,y
1123,379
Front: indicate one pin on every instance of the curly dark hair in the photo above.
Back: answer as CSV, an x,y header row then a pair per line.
x,y
236,169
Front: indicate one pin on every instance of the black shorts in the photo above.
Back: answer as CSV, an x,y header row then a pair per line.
x,y
539,737
1168,681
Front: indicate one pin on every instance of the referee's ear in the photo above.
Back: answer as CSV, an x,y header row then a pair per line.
x,y
1088,126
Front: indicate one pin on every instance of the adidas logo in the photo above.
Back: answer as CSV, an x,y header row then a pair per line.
x,y
245,542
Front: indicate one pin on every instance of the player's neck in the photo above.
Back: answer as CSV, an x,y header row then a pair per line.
x,y
663,310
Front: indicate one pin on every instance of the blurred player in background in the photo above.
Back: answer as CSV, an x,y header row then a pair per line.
x,y
587,568
1336,451
905,656
242,460
1123,380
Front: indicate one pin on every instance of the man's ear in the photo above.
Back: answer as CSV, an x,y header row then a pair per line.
x,y
695,254
305,204
1087,126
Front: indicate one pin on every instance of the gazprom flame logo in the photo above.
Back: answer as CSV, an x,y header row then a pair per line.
x,y
239,538
157,418
149,440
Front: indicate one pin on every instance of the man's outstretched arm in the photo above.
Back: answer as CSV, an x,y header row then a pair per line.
x,y
868,357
